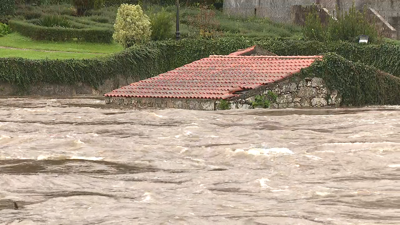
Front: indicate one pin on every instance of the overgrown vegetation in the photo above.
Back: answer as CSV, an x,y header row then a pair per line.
x,y
224,105
264,101
7,7
4,29
357,83
347,27
161,25
54,21
82,6
218,24
206,22
385,57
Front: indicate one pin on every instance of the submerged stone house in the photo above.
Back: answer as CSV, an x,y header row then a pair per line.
x,y
237,80
385,12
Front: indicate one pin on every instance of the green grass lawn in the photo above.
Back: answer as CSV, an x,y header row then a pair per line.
x,y
77,49
31,54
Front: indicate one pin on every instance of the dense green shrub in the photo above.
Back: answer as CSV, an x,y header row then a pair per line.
x,y
347,27
7,7
131,26
313,28
102,35
161,25
350,25
4,29
357,83
54,21
84,5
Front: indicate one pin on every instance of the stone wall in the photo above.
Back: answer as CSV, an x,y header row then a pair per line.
x,y
276,10
64,90
280,10
299,14
382,25
163,103
293,93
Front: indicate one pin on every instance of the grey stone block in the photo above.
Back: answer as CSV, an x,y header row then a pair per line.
x,y
317,82
319,102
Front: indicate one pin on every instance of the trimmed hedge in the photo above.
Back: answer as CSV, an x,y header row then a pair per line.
x,y
102,35
7,7
357,83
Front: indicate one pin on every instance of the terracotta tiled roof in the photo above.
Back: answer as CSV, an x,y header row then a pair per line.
x,y
243,51
216,77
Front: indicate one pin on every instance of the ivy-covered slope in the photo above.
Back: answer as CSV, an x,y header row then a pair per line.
x,y
357,83
385,57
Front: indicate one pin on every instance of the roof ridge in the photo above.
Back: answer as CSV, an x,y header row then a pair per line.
x,y
267,56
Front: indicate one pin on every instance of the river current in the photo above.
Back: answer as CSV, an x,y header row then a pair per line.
x,y
78,161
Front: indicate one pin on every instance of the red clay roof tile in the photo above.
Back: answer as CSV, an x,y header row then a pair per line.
x,y
216,77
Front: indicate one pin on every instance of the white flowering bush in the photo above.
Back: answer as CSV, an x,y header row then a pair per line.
x,y
131,26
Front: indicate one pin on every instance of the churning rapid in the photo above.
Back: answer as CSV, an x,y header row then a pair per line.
x,y
77,161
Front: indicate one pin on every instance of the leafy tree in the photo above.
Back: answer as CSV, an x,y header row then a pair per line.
x,y
131,26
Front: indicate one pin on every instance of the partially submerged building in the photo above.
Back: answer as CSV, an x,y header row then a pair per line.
x,y
236,81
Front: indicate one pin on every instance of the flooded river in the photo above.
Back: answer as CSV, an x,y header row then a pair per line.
x,y
77,161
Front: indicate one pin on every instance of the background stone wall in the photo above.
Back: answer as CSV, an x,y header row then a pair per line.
x,y
276,10
280,10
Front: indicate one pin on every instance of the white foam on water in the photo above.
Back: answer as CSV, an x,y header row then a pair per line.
x,y
146,197
323,194
4,137
263,183
79,142
87,158
313,157
159,116
395,166
266,151
58,157
361,143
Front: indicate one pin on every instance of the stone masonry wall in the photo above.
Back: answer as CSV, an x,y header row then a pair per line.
x,y
276,10
64,90
293,93
280,10
163,103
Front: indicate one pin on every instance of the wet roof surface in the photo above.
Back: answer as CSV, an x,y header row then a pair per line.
x,y
216,77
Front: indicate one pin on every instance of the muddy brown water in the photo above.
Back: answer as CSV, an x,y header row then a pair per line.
x,y
78,161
